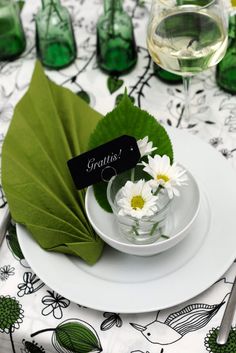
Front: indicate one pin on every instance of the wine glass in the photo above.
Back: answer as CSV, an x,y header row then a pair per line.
x,y
186,37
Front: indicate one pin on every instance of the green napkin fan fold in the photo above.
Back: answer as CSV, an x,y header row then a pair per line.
x,y
50,125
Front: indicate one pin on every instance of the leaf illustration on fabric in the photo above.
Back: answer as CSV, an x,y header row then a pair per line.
x,y
13,243
114,83
227,106
201,100
209,122
192,317
76,336
213,347
111,320
84,95
32,347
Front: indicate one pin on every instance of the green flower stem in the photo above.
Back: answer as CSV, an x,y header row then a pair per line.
x,y
134,229
132,174
12,343
154,227
42,331
164,236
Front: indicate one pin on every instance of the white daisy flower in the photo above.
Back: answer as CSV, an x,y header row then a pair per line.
x,y
137,200
145,146
164,174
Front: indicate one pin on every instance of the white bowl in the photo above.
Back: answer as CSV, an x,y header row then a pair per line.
x,y
182,216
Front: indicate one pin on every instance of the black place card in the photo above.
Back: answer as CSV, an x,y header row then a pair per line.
x,y
101,163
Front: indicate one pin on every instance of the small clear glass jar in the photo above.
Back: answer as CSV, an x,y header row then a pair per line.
x,y
147,229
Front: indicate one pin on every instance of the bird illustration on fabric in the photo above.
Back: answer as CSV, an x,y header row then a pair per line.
x,y
191,318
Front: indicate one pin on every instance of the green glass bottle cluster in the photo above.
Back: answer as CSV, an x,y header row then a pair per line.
x,y
226,69
55,42
116,47
12,37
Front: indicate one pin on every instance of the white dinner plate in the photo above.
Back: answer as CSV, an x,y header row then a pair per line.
x,y
130,284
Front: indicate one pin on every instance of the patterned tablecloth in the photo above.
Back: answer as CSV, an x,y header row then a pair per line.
x,y
37,314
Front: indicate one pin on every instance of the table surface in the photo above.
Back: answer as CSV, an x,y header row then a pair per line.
x,y
35,310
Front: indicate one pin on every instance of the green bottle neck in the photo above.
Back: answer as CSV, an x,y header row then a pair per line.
x,y
46,3
112,5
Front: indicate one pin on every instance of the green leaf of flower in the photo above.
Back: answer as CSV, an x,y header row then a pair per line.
x,y
126,119
113,84
76,336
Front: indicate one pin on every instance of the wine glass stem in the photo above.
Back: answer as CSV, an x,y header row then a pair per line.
x,y
186,112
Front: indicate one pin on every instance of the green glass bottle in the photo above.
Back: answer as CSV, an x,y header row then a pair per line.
x,y
226,69
55,42
116,48
166,76
12,37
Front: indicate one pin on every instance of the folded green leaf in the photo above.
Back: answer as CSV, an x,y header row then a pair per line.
x,y
50,125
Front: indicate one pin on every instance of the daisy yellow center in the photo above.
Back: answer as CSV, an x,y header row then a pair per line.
x,y
137,202
164,177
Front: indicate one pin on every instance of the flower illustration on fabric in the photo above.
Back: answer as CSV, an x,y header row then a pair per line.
x,y
216,141
226,153
11,314
32,347
112,319
29,284
6,271
54,303
213,347
74,336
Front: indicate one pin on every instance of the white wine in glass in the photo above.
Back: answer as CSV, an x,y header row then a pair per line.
x,y
186,37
